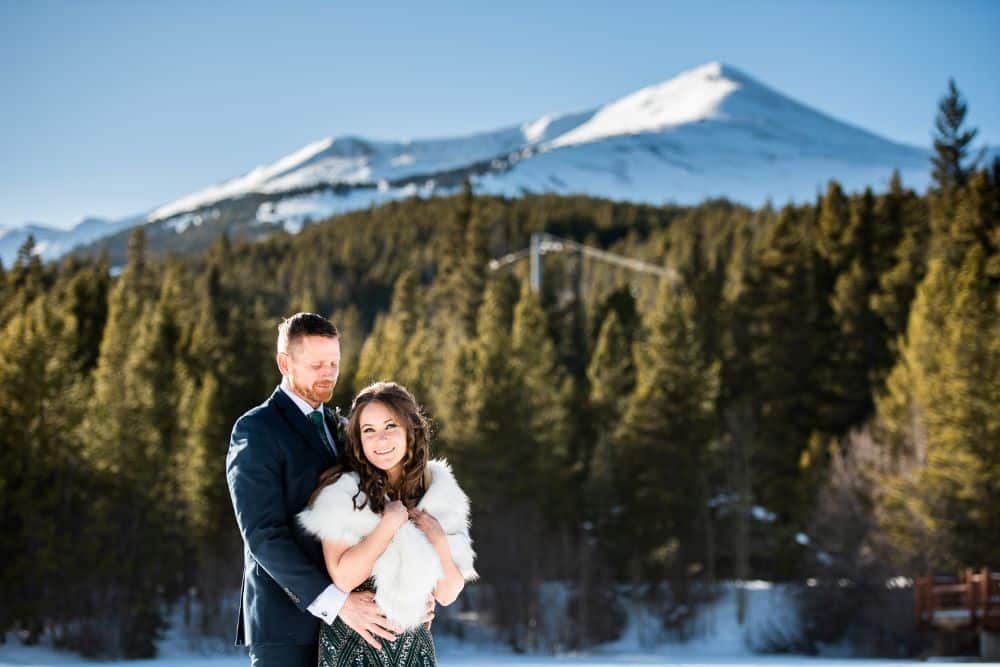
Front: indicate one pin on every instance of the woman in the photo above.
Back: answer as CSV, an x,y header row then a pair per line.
x,y
392,522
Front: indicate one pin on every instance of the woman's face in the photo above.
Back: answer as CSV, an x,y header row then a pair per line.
x,y
383,438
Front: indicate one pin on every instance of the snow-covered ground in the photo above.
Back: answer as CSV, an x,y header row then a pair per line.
x,y
719,640
456,656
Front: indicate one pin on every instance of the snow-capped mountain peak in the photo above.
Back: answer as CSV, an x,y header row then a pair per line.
x,y
690,97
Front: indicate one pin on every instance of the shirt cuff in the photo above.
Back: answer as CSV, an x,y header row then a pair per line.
x,y
327,604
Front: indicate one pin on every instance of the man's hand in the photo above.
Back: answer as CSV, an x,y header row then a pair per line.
x,y
429,618
361,614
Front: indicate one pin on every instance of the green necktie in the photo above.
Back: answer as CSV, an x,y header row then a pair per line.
x,y
316,417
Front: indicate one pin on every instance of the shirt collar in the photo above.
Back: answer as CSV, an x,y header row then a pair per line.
x,y
298,400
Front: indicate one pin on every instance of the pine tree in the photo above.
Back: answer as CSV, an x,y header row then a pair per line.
x,y
25,280
458,286
664,441
952,142
452,409
611,375
470,279
611,371
906,258
545,394
963,444
974,219
494,430
622,302
834,228
208,511
859,350
453,239
787,329
935,414
496,453
400,347
86,296
738,401
348,323
214,386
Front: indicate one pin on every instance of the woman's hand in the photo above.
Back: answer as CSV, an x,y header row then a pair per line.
x,y
427,523
450,585
395,514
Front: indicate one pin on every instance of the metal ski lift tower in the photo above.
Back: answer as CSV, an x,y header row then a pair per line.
x,y
543,243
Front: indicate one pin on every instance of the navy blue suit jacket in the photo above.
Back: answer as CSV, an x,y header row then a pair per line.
x,y
273,466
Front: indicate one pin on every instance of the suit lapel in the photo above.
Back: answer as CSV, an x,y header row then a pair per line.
x,y
291,413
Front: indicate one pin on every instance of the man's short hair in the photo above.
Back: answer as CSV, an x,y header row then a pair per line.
x,y
299,325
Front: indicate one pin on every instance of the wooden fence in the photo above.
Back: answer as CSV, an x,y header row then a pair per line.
x,y
971,600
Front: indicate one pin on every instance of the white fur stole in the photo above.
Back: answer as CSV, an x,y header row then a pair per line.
x,y
409,569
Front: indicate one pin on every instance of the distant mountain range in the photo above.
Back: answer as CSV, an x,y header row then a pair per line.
x,y
51,242
711,131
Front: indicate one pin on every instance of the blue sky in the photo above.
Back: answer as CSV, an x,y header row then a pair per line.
x,y
112,108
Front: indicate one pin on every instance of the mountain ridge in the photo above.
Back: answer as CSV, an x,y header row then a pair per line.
x,y
709,131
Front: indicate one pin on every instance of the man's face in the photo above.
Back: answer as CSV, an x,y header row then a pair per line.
x,y
311,366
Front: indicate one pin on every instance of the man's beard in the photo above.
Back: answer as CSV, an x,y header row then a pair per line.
x,y
315,393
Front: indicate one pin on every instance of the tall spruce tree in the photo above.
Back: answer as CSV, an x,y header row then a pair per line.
x,y
352,338
952,141
738,401
546,390
215,385
664,441
931,414
461,276
400,348
495,451
834,228
787,331
611,375
963,423
24,281
939,414
492,417
906,256
859,349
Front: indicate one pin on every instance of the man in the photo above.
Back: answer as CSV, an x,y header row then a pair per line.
x,y
276,454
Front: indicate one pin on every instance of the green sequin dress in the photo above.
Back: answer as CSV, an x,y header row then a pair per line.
x,y
339,646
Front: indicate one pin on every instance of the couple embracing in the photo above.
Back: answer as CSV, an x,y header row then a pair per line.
x,y
351,533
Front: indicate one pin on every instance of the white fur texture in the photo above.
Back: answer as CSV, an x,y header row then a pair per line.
x,y
407,571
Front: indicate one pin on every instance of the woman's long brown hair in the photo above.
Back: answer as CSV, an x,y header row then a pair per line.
x,y
374,483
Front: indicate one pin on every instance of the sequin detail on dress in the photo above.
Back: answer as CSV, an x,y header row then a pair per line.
x,y
339,646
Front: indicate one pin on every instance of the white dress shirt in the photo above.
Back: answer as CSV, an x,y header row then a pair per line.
x,y
327,604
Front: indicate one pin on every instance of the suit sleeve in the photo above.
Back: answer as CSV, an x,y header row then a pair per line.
x,y
254,474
